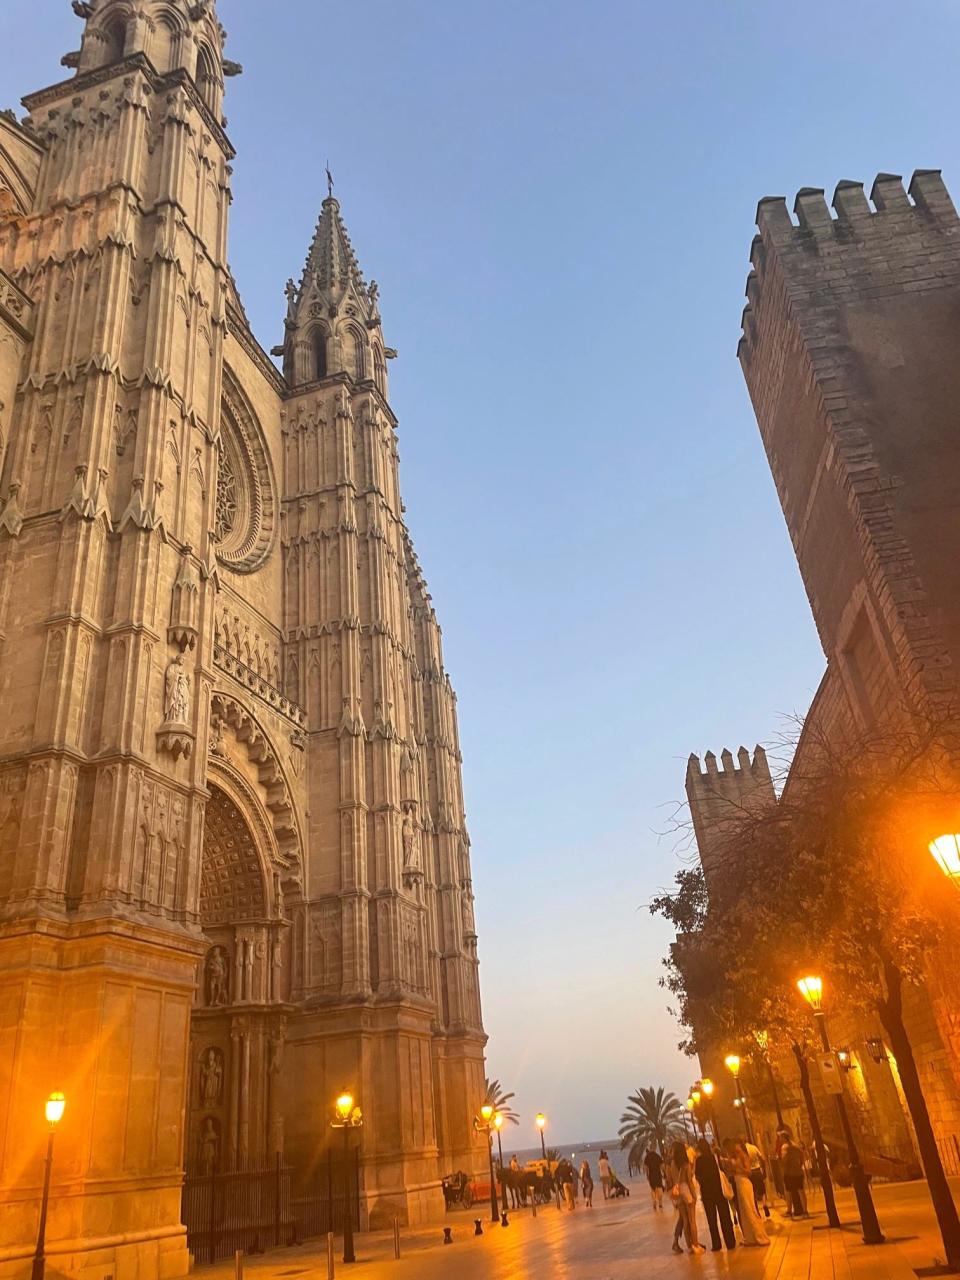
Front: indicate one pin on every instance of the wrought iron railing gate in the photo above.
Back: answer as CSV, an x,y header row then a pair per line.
x,y
267,1206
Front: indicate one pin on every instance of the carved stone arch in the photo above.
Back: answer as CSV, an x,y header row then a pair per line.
x,y
105,38
165,48
234,880
353,347
277,799
246,512
282,887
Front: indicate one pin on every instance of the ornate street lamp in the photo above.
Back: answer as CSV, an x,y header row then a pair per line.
x,y
348,1117
732,1063
53,1111
811,988
541,1123
485,1125
946,851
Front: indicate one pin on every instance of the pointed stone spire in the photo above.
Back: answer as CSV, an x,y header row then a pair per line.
x,y
333,315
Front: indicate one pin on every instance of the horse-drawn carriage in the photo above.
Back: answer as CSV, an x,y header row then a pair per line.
x,y
460,1190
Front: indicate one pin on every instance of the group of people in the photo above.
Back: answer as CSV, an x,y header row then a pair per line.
x,y
570,1184
729,1179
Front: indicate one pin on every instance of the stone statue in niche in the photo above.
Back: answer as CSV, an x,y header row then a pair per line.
x,y
208,1146
411,843
218,741
176,690
211,1079
218,986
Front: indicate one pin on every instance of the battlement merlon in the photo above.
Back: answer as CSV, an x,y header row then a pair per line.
x,y
757,767
907,241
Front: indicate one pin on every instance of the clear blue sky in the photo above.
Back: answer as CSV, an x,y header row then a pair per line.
x,y
557,199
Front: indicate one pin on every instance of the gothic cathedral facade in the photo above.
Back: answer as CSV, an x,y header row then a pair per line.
x,y
234,871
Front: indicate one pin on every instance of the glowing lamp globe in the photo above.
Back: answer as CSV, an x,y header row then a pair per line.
x,y
541,1120
53,1108
690,1104
707,1087
812,991
946,851
732,1063
695,1097
498,1120
345,1105
486,1111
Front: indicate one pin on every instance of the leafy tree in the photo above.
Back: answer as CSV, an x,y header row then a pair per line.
x,y
494,1096
653,1117
835,879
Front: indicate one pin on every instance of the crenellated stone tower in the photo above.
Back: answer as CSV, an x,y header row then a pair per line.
x,y
234,869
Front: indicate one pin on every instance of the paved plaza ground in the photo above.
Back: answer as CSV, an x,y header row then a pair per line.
x,y
624,1239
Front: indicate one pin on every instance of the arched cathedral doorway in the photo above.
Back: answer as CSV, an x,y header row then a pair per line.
x,y
238,1022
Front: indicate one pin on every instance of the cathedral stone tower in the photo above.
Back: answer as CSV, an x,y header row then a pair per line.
x,y
234,871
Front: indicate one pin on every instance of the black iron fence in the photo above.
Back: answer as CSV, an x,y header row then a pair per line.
x,y
274,1204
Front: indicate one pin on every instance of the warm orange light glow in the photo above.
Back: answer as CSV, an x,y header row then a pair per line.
x,y
541,1120
53,1108
946,850
498,1120
812,991
732,1063
707,1087
486,1111
345,1105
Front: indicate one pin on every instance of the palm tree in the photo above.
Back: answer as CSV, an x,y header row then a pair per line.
x,y
494,1096
653,1117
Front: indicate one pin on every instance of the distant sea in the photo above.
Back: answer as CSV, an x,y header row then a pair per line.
x,y
575,1154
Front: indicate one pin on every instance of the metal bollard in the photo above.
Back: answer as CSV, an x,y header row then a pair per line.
x,y
503,1219
330,1262
477,1227
238,1264
396,1237
533,1201
448,1235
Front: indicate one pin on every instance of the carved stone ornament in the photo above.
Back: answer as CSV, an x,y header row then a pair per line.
x,y
211,1078
245,517
185,605
175,734
217,978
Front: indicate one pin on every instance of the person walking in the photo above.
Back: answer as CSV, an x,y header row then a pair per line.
x,y
684,1194
565,1177
586,1184
603,1164
791,1161
751,1224
653,1164
716,1201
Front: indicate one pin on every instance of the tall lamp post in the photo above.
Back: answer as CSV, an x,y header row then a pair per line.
x,y
706,1088
485,1125
811,988
732,1063
696,1097
53,1111
498,1125
541,1123
348,1117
